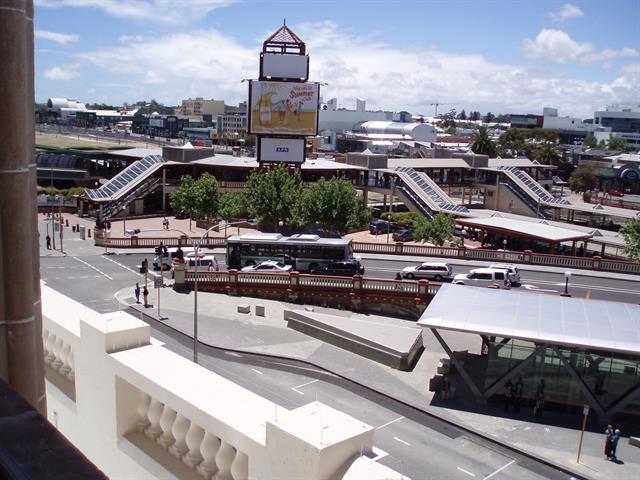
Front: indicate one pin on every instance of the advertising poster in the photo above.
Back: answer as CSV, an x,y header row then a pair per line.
x,y
289,150
283,108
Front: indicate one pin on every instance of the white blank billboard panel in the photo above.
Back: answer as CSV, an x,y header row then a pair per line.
x,y
290,150
285,66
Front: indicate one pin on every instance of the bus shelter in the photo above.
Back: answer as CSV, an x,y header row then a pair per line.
x,y
586,351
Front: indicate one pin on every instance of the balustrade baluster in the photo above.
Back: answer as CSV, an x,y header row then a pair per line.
x,y
57,349
166,423
224,458
51,356
193,440
209,448
45,337
142,409
71,374
154,430
179,430
240,466
64,355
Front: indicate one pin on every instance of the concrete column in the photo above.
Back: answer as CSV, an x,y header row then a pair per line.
x,y
21,317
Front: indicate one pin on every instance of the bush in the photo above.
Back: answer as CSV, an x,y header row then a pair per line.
x,y
403,219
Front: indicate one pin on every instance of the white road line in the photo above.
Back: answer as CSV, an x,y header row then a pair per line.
x,y
401,441
257,371
303,385
499,470
92,267
121,265
466,471
389,423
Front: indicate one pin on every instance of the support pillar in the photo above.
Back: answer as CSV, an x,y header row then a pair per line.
x,y
164,189
459,367
582,386
21,363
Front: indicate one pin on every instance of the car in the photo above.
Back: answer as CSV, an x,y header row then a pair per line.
x,y
381,226
270,266
437,271
512,269
615,192
168,255
403,235
485,277
343,268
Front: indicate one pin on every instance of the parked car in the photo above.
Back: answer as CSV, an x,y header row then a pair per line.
x,y
381,226
403,235
614,192
513,271
343,268
437,271
269,266
484,277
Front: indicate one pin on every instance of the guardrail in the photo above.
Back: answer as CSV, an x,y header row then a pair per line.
x,y
526,257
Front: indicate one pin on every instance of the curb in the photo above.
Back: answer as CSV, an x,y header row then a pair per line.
x,y
449,422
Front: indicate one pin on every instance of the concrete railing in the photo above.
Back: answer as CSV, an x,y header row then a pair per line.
x,y
142,411
526,257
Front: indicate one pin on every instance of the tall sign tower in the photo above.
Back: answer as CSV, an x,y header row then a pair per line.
x,y
283,105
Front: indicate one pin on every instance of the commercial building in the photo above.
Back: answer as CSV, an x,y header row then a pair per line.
x,y
200,106
622,121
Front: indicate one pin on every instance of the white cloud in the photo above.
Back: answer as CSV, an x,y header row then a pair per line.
x,y
63,73
567,12
131,38
162,11
393,78
62,38
557,46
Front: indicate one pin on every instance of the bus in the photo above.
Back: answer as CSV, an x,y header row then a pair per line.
x,y
304,252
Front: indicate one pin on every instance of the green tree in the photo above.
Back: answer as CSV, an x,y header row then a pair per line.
x,y
583,179
436,231
630,231
333,204
185,198
590,141
548,154
617,143
489,117
273,196
482,144
206,188
462,115
232,205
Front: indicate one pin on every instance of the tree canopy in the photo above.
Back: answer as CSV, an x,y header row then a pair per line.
x,y
583,179
333,204
232,205
548,155
482,144
437,231
196,198
630,231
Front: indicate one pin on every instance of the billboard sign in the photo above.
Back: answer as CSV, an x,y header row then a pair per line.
x,y
156,122
289,150
278,66
283,108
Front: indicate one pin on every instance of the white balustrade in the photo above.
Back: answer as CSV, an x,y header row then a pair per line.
x,y
57,349
166,423
65,368
142,409
193,440
51,356
154,430
224,459
179,431
240,466
209,448
71,374
45,337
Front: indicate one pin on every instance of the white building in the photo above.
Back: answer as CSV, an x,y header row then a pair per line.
x,y
622,121
200,106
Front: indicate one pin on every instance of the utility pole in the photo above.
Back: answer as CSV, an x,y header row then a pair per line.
x,y
61,225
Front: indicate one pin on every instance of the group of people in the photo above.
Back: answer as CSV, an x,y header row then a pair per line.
x,y
611,443
145,294
513,396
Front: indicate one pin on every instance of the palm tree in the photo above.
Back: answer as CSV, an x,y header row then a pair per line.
x,y
482,144
548,155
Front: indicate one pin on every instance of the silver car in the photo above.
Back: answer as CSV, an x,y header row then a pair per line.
x,y
437,271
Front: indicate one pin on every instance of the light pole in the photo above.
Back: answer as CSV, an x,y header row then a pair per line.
x,y
464,234
567,276
124,222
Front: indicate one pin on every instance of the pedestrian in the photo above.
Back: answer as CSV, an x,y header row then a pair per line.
x,y
539,405
508,395
517,394
609,434
614,445
48,242
445,388
137,292
145,294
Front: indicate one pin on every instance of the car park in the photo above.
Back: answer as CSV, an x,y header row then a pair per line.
x,y
403,235
381,226
437,271
513,271
269,266
343,268
485,277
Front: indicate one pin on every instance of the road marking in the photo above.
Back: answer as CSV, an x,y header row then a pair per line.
x,y
92,267
535,288
499,470
257,371
389,423
466,471
401,441
303,385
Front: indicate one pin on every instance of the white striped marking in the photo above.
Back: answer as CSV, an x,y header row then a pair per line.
x,y
466,471
92,267
401,441
295,389
389,423
499,470
257,371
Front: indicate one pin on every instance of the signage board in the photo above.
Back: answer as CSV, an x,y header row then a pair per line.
x,y
283,108
277,66
156,122
157,282
289,150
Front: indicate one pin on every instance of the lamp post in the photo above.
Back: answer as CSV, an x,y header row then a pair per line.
x,y
567,276
124,222
464,234
504,248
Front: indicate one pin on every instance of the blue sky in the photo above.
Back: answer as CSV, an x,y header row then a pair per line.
x,y
487,55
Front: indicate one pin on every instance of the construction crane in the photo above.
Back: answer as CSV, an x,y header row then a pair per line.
x,y
437,105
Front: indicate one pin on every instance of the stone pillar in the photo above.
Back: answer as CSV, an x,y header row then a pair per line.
x,y
21,316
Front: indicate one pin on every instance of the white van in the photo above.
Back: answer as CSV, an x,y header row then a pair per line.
x,y
485,277
167,259
205,262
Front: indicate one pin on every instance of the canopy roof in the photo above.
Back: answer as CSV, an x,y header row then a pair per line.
x,y
539,231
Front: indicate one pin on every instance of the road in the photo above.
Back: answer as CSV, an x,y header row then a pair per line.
x,y
406,440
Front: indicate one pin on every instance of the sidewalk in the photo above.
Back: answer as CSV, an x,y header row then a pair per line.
x,y
553,438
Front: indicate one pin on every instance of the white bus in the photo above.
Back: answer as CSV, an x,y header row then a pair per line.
x,y
302,251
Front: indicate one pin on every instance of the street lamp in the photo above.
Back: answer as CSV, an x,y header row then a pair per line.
x,y
464,234
567,276
124,222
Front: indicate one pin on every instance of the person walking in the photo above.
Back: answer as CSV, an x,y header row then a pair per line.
x,y
145,294
508,396
517,394
608,440
137,292
614,445
48,242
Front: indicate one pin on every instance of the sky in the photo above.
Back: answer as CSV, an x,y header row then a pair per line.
x,y
502,56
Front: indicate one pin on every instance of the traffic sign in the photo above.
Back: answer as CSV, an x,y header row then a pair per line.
x,y
157,282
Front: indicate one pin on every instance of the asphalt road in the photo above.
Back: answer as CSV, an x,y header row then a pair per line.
x,y
408,441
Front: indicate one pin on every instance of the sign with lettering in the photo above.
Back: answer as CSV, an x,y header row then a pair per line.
x,y
289,150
